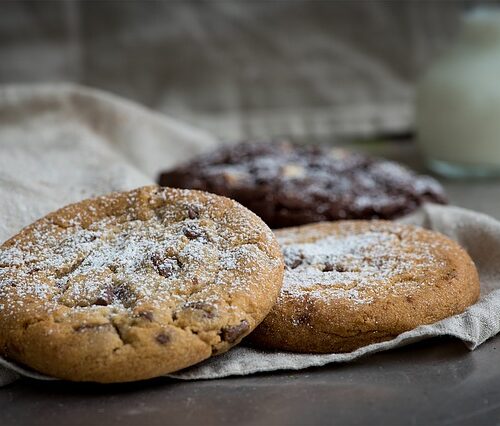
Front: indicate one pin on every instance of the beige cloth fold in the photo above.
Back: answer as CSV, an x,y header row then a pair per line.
x,y
61,143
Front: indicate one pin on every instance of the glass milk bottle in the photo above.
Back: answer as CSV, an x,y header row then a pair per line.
x,y
458,102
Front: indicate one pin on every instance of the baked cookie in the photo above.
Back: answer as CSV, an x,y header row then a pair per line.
x,y
289,185
348,284
135,285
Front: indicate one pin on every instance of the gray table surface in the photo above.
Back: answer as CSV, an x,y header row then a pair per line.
x,y
433,382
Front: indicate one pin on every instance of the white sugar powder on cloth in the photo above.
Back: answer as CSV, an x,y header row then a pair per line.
x,y
59,144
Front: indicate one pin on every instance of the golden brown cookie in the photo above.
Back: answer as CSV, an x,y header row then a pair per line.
x,y
352,283
135,285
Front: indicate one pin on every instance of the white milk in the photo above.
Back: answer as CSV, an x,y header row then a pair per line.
x,y
458,101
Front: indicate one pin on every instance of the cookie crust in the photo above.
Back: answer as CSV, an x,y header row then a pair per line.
x,y
135,285
352,283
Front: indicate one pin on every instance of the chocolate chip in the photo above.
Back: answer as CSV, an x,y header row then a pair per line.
x,y
123,294
232,333
162,338
295,263
329,267
193,212
165,267
191,232
215,351
207,308
101,301
105,298
156,259
89,238
146,315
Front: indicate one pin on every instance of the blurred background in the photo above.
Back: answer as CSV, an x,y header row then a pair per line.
x,y
313,70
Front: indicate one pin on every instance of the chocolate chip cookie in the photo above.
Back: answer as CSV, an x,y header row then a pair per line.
x,y
135,285
289,185
348,284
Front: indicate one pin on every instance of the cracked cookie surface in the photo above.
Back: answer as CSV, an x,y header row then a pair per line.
x,y
352,283
135,285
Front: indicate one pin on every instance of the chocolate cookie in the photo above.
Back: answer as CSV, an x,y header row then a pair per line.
x,y
135,285
288,185
348,284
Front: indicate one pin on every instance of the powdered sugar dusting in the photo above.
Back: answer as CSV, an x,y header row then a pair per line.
x,y
289,184
167,256
359,267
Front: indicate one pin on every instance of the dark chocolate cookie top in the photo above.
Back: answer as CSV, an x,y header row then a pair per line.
x,y
288,185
